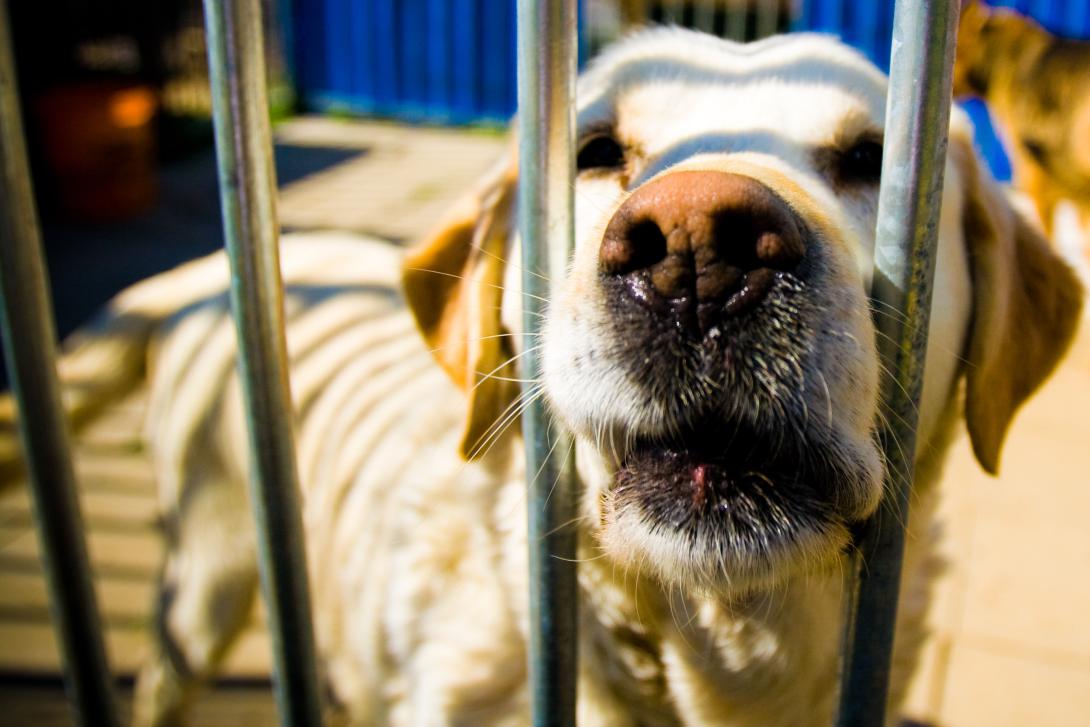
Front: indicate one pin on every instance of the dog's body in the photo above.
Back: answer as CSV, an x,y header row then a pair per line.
x,y
722,388
1037,87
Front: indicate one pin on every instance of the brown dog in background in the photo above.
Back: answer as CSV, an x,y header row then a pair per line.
x,y
1037,87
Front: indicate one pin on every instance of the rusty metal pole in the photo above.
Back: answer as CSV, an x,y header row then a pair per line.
x,y
30,342
914,158
247,180
547,51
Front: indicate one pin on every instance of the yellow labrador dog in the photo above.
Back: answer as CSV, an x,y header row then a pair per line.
x,y
711,347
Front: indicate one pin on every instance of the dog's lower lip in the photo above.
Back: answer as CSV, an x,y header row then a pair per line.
x,y
700,470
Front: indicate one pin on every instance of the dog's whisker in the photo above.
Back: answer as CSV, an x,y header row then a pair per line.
x,y
577,561
510,264
504,420
528,334
937,343
545,463
828,400
539,314
497,286
891,376
491,374
438,349
512,379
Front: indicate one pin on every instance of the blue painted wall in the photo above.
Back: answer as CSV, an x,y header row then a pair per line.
x,y
441,61
453,61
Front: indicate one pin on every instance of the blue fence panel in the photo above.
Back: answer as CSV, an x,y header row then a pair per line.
x,y
413,54
453,61
440,72
496,91
360,28
440,61
338,39
466,60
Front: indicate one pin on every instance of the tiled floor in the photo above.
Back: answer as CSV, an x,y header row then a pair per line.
x,y
1012,616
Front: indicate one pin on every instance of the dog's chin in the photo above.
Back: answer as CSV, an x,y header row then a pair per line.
x,y
729,513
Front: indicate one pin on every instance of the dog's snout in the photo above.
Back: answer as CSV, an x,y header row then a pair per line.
x,y
711,241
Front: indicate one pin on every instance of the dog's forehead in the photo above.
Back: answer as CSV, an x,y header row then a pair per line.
x,y
666,86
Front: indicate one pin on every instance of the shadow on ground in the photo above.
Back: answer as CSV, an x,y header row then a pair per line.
x,y
90,263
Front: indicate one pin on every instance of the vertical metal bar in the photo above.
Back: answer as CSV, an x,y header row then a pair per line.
x,y
29,339
247,181
704,16
802,15
671,13
736,21
547,51
768,17
917,119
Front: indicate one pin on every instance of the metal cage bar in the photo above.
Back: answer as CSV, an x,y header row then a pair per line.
x,y
917,121
736,22
547,50
29,339
704,16
247,180
768,17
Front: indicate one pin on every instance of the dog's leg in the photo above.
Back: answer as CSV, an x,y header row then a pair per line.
x,y
205,597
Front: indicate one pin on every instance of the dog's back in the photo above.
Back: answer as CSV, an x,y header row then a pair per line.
x,y
373,415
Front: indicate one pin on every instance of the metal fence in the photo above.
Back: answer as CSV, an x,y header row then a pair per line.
x,y
915,145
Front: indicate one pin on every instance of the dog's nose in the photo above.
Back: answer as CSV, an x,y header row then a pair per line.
x,y
711,241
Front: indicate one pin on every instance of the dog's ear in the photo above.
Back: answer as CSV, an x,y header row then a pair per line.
x,y
968,77
1026,305
453,282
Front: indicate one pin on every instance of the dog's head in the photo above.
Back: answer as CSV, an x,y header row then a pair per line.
x,y
711,345
988,38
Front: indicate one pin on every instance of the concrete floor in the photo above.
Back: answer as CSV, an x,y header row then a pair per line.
x,y
1011,644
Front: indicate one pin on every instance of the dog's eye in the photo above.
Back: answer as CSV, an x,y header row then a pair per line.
x,y
862,163
601,151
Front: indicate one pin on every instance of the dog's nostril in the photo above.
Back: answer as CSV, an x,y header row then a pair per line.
x,y
635,247
732,241
749,243
649,244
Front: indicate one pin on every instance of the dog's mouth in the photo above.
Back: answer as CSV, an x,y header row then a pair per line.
x,y
730,502
714,475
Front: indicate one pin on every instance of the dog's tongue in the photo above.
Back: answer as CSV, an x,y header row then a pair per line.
x,y
699,473
695,475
